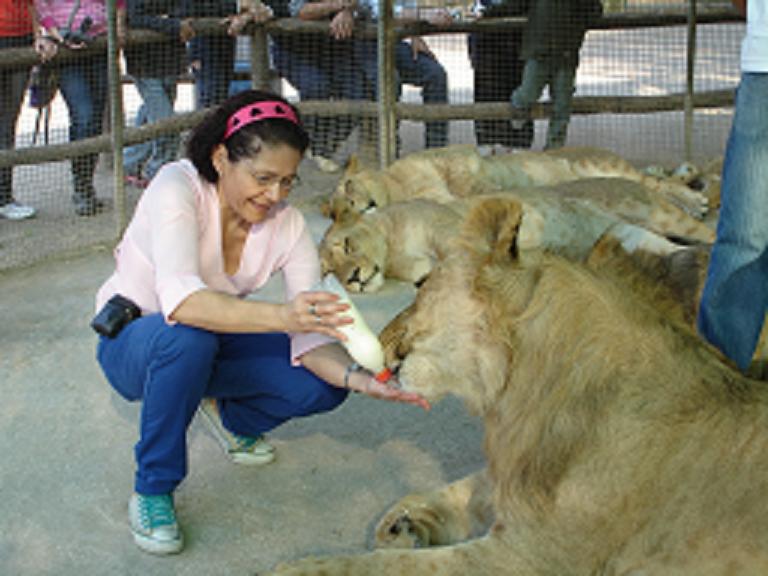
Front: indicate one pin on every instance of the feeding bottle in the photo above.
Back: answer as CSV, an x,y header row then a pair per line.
x,y
362,344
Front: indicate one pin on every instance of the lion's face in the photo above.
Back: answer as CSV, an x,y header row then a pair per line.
x,y
356,253
448,340
427,343
358,192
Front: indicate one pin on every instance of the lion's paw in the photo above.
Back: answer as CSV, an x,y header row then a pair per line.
x,y
412,523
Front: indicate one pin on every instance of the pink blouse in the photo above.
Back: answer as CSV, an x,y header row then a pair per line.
x,y
56,14
172,248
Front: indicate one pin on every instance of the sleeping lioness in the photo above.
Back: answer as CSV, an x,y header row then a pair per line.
x,y
618,442
457,172
403,240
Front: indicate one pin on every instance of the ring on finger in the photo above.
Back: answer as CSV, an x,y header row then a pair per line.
x,y
313,309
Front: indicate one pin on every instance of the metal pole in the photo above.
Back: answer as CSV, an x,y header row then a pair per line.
x,y
689,87
117,118
386,88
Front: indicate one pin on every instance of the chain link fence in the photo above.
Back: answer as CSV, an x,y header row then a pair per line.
x,y
654,83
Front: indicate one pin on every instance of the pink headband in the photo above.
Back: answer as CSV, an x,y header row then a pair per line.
x,y
259,111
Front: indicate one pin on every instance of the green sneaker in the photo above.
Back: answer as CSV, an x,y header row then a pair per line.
x,y
243,450
153,523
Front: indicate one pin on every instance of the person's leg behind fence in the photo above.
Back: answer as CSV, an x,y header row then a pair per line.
x,y
13,83
427,73
83,85
562,87
136,155
536,75
302,66
159,96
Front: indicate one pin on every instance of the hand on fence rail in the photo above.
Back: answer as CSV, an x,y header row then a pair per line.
x,y
253,11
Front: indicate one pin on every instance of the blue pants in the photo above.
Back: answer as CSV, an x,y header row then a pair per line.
x,y
560,75
158,97
322,70
735,296
498,70
83,85
216,56
172,368
423,71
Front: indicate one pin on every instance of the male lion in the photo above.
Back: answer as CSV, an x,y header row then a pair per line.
x,y
403,240
617,441
454,172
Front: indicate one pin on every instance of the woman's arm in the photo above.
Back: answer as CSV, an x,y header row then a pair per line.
x,y
332,363
324,9
221,312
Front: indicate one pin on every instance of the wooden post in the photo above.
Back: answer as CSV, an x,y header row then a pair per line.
x,y
386,89
117,119
689,82
260,78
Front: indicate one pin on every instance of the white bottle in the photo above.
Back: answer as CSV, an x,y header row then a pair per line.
x,y
362,344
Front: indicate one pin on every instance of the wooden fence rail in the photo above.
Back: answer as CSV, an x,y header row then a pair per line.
x,y
387,109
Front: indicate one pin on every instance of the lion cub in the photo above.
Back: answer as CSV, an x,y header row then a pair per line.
x,y
447,174
403,240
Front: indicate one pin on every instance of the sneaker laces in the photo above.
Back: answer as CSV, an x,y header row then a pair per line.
x,y
245,443
156,510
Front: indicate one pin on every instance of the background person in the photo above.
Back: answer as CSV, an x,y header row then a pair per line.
x,y
208,231
415,64
498,70
17,26
82,81
155,69
735,297
212,58
552,41
321,68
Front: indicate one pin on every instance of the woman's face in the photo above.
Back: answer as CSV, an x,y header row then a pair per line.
x,y
250,187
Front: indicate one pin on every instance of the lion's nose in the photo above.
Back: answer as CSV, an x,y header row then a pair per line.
x,y
354,277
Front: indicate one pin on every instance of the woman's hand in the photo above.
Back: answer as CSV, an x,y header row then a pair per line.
x,y
419,46
46,47
316,312
258,13
342,24
364,382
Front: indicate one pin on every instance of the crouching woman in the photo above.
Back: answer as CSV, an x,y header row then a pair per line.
x,y
208,231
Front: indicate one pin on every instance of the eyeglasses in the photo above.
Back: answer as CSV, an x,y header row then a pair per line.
x,y
269,180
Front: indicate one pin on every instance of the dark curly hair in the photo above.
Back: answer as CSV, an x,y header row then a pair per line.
x,y
244,143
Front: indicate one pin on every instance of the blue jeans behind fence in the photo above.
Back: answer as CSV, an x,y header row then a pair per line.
x,y
735,296
560,76
423,71
158,97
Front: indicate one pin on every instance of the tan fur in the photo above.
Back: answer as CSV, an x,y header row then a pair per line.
x,y
400,241
618,442
461,171
440,174
671,283
704,178
403,240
